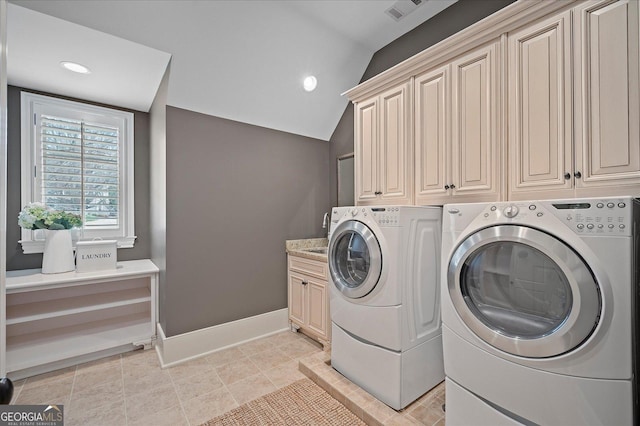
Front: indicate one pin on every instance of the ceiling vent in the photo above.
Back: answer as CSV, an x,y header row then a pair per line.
x,y
402,8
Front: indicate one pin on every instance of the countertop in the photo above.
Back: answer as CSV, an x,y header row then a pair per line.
x,y
300,248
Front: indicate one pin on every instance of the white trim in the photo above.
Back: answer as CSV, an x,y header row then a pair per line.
x,y
31,241
69,362
490,28
195,344
37,246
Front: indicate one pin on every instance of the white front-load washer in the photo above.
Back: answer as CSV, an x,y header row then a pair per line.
x,y
538,312
384,299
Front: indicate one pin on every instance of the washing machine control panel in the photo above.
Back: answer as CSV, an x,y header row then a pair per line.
x,y
386,216
610,216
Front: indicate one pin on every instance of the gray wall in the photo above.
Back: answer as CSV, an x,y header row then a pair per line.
x,y
235,193
448,22
15,258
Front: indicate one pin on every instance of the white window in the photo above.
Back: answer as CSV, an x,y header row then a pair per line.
x,y
78,158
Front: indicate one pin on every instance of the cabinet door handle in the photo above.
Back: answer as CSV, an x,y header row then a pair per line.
x,y
577,175
567,176
305,282
378,193
446,187
453,186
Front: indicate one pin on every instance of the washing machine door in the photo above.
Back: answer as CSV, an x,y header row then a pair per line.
x,y
524,291
355,260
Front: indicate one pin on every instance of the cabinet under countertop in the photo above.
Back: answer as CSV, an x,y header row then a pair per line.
x,y
308,289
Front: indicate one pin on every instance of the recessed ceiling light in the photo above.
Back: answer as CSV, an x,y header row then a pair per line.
x,y
75,67
310,83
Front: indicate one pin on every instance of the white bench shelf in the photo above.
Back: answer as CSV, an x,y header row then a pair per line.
x,y
55,320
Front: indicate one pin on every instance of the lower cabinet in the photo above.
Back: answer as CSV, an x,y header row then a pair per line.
x,y
308,297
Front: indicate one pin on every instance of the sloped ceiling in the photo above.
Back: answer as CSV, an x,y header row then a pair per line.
x,y
244,60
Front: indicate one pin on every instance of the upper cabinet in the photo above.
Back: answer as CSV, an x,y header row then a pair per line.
x,y
457,139
539,108
432,134
539,100
475,135
383,156
573,131
607,115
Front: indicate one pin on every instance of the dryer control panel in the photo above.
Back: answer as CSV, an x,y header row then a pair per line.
x,y
610,216
598,216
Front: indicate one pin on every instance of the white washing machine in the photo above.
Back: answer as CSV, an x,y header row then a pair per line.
x,y
384,299
539,324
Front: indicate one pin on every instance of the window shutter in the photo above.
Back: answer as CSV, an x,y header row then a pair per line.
x,y
80,169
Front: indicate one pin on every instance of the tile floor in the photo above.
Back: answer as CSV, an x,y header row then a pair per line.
x,y
132,389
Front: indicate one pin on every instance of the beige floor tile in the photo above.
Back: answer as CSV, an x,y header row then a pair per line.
x,y
134,384
428,413
172,416
360,397
96,376
190,368
251,388
55,392
198,385
48,378
255,346
157,399
401,420
285,337
17,388
225,356
110,362
206,407
111,414
270,358
97,396
284,374
139,363
379,410
301,348
237,370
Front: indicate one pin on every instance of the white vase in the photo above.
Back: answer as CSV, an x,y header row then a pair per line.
x,y
58,252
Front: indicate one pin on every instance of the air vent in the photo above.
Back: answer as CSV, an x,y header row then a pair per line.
x,y
402,8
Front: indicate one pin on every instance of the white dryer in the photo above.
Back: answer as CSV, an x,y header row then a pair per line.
x,y
384,299
538,312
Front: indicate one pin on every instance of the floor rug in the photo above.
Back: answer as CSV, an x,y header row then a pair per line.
x,y
301,403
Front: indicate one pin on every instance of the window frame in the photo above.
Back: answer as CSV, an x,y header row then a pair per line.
x,y
33,104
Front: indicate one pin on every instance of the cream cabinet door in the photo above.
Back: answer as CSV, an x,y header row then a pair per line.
x,y
475,137
540,108
366,151
432,153
395,173
318,318
297,298
607,97
382,152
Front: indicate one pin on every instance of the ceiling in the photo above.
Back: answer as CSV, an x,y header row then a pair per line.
x,y
240,60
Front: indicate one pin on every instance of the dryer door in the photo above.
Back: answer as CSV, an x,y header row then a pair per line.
x,y
524,291
355,260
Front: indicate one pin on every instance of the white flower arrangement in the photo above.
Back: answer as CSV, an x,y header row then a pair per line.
x,y
38,216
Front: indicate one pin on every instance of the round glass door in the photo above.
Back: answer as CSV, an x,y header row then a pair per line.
x,y
524,291
355,261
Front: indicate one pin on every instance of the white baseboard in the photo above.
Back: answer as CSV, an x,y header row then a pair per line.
x,y
194,344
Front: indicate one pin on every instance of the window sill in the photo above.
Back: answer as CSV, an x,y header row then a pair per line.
x,y
31,247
